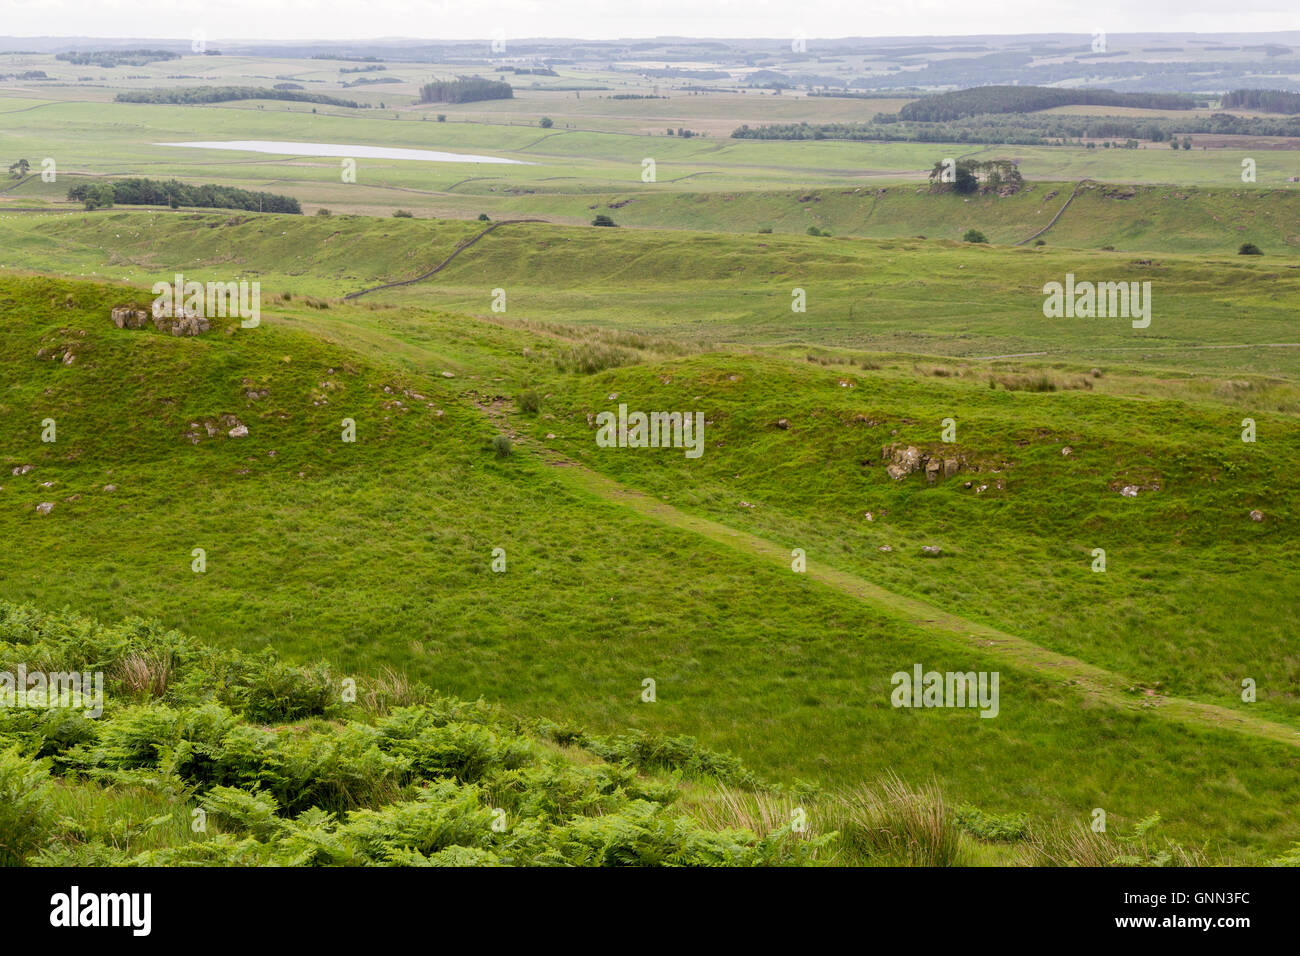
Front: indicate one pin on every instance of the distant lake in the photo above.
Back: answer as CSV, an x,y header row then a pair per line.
x,y
352,152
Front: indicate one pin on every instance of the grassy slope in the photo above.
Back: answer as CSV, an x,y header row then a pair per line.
x,y
911,296
378,554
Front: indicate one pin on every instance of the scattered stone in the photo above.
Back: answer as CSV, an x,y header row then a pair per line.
x,y
550,435
932,469
448,375
45,507
1257,515
1129,491
782,423
869,516
239,431
931,550
110,488
23,469
611,396
1067,451
884,547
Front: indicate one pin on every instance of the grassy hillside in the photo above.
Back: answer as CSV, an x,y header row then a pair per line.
x,y
1224,315
378,554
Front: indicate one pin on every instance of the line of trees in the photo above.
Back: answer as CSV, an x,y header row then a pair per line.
x,y
466,89
982,100
111,58
224,94
1034,129
154,192
1268,101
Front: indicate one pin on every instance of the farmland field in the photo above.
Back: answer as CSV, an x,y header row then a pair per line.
x,y
383,513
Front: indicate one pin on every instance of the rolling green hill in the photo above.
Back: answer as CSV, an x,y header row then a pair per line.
x,y
379,553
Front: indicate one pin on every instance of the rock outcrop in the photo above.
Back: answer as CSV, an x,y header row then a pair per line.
x,y
183,322
903,460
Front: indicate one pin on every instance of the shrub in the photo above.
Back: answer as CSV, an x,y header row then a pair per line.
x,y
501,445
279,693
530,401
26,814
322,211
546,122
403,214
996,827
603,220
974,235
483,217
1250,249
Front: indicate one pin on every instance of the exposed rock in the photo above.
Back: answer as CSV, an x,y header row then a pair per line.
x,y
1130,491
902,462
931,550
125,317
23,469
110,488
782,423
885,548
1257,515
45,507
905,459
239,431
182,322
1067,451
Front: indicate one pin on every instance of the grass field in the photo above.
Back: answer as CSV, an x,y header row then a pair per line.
x,y
474,394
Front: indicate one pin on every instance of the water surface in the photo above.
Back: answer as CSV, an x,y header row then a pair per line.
x,y
350,152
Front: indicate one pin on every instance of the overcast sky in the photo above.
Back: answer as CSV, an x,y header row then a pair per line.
x,y
609,19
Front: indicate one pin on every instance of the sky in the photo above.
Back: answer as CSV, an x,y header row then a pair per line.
x,y
613,19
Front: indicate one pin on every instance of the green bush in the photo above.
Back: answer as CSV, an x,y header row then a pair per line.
x,y
973,235
26,814
530,401
1249,249
501,445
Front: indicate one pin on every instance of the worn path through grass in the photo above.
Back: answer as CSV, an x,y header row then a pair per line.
x,y
1101,685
